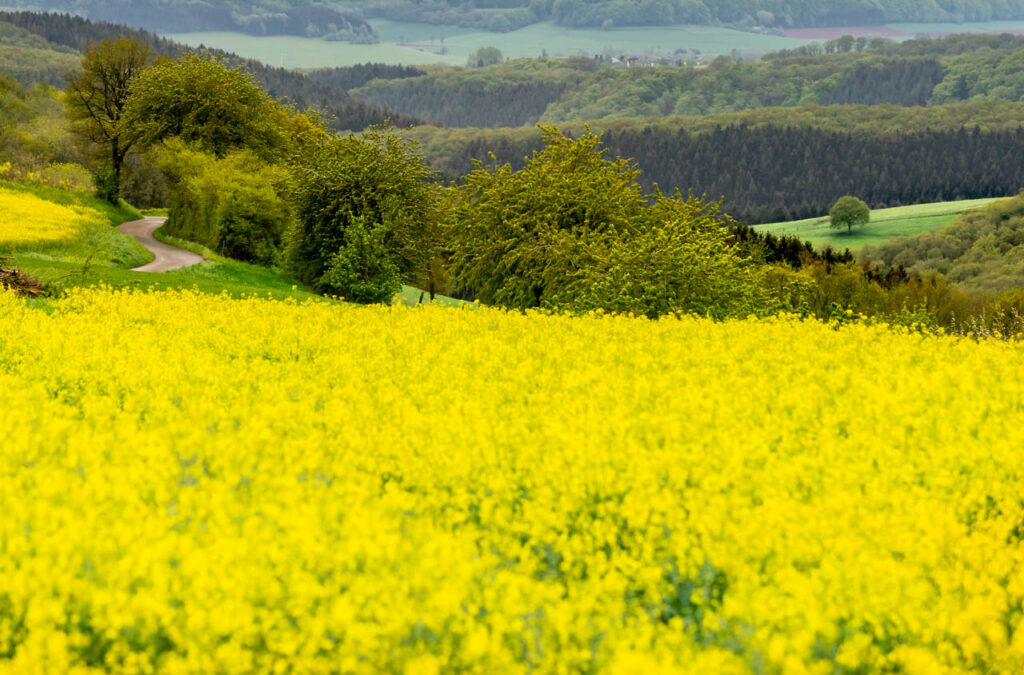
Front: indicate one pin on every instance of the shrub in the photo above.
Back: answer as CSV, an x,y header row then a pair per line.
x,y
366,210
574,230
232,205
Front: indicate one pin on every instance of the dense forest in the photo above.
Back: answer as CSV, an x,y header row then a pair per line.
x,y
528,91
344,19
773,166
58,37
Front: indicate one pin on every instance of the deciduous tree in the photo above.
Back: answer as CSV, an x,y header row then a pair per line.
x,y
849,212
575,230
97,97
366,211
206,104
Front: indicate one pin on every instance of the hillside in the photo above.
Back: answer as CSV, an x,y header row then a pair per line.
x,y
982,250
526,91
885,225
22,34
301,17
31,59
67,239
776,165
256,17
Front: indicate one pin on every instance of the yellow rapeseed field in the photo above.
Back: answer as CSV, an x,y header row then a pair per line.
x,y
195,484
27,219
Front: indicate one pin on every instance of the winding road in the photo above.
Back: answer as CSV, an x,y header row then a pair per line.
x,y
167,257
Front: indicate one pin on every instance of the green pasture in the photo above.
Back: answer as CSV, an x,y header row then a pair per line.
x,y
886,224
531,41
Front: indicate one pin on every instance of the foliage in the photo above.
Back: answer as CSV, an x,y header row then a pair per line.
x,y
36,145
234,204
662,269
849,212
485,56
366,209
575,230
317,486
982,250
96,99
202,101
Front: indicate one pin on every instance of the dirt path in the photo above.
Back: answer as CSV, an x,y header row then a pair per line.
x,y
167,257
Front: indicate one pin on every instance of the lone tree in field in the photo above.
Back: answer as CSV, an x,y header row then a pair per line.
x,y
96,100
485,56
848,212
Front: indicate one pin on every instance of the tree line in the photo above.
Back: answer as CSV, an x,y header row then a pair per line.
x,y
527,91
776,172
255,17
326,19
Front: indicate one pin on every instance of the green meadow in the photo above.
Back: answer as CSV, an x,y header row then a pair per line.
x,y
531,41
409,43
886,224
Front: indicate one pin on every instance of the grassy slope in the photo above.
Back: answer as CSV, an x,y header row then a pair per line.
x,y
103,255
885,225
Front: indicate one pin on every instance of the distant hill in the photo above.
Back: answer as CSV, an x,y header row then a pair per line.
x,y
255,17
346,20
781,164
30,59
526,91
41,47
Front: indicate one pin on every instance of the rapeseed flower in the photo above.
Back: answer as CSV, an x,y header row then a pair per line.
x,y
194,483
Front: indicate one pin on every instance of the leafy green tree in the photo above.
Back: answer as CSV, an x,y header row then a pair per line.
x,y
485,56
206,104
366,208
96,100
849,212
234,204
575,230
